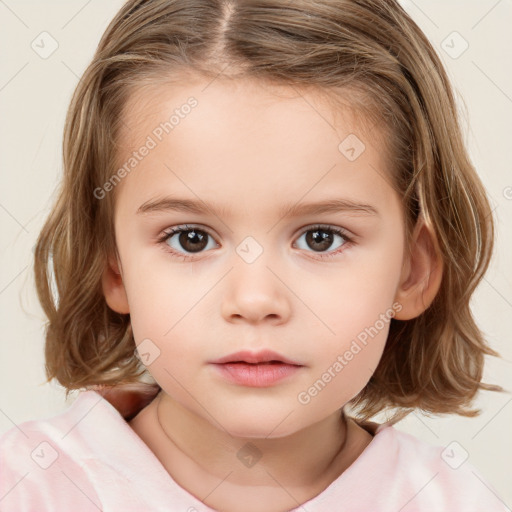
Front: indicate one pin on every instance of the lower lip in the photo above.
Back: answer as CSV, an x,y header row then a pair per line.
x,y
256,375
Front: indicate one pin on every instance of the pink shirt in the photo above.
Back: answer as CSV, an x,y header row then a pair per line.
x,y
88,459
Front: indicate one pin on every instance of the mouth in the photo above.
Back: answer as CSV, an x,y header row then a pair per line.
x,y
256,358
260,369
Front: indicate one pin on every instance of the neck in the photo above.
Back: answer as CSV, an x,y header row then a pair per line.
x,y
220,469
314,449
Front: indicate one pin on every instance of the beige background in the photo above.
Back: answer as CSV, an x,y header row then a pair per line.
x,y
34,95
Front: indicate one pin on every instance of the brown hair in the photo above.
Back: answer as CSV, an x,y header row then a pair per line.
x,y
370,48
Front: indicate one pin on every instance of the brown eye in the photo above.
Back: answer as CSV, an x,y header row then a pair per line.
x,y
320,239
193,240
187,240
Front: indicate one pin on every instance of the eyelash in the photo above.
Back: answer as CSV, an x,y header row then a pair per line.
x,y
162,240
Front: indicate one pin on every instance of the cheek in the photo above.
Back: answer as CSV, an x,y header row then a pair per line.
x,y
360,295
168,318
171,347
162,296
357,308
344,371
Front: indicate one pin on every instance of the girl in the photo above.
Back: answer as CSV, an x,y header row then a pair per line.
x,y
241,374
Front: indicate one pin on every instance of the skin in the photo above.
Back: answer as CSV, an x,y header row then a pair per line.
x,y
243,146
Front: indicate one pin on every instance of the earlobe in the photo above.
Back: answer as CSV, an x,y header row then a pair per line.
x,y
113,288
422,273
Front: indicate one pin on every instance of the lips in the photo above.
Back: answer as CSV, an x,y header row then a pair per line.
x,y
260,357
255,369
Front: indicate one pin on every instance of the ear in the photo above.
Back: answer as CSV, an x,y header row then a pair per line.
x,y
422,273
113,287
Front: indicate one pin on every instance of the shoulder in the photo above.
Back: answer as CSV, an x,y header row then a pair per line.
x,y
86,458
43,467
428,477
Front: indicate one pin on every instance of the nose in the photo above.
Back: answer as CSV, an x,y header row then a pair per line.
x,y
255,293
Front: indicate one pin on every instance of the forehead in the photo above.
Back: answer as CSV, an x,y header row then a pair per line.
x,y
244,138
244,103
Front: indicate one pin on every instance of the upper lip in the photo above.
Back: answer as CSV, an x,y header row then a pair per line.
x,y
262,356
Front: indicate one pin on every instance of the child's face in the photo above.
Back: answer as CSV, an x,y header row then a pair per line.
x,y
255,155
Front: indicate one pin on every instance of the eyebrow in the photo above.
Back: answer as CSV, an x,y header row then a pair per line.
x,y
169,203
